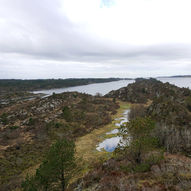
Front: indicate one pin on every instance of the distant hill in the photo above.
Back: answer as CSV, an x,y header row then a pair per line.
x,y
177,76
181,76
39,84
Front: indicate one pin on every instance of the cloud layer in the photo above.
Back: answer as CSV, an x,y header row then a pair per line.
x,y
67,38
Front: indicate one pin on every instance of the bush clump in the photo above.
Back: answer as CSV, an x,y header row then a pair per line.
x,y
66,113
13,127
139,146
137,111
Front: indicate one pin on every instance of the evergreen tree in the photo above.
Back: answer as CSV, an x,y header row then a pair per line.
x,y
138,141
56,170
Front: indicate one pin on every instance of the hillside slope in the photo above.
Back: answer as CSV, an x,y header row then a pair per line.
x,y
170,107
27,129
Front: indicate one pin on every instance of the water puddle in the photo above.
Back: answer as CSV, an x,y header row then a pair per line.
x,y
115,131
111,143
123,119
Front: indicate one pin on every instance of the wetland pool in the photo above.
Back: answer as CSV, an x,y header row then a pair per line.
x,y
110,144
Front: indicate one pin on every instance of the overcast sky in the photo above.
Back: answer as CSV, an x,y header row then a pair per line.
x,y
94,38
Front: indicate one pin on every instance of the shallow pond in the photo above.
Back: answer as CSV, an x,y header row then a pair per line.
x,y
110,144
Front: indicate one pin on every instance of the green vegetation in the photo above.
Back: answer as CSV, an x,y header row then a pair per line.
x,y
137,111
139,144
188,103
13,127
56,170
34,125
137,164
31,121
3,118
66,113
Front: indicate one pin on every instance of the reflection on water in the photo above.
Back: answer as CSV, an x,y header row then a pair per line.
x,y
102,88
111,143
180,82
115,131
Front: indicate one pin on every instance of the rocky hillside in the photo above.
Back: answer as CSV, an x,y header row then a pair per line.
x,y
148,89
170,107
173,118
28,128
31,126
173,173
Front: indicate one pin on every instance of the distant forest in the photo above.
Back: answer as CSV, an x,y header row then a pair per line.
x,y
32,85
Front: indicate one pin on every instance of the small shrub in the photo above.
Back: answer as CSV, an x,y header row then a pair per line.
x,y
143,167
137,111
13,127
66,113
4,119
57,125
126,168
50,125
140,145
75,95
54,95
188,103
31,121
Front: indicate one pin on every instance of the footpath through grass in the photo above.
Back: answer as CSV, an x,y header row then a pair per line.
x,y
86,145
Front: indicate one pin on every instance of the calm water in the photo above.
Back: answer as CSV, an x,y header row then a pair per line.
x,y
105,88
110,144
180,82
92,89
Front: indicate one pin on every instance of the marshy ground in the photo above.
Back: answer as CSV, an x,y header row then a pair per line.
x,y
86,145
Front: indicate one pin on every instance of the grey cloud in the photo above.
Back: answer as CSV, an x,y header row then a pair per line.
x,y
38,32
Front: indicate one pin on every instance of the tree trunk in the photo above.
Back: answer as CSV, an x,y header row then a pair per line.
x,y
138,159
63,182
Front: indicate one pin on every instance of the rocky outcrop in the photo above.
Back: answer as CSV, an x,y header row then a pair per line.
x,y
148,89
173,173
170,108
173,124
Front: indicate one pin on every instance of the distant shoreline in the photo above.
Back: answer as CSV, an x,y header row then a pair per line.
x,y
178,76
42,84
